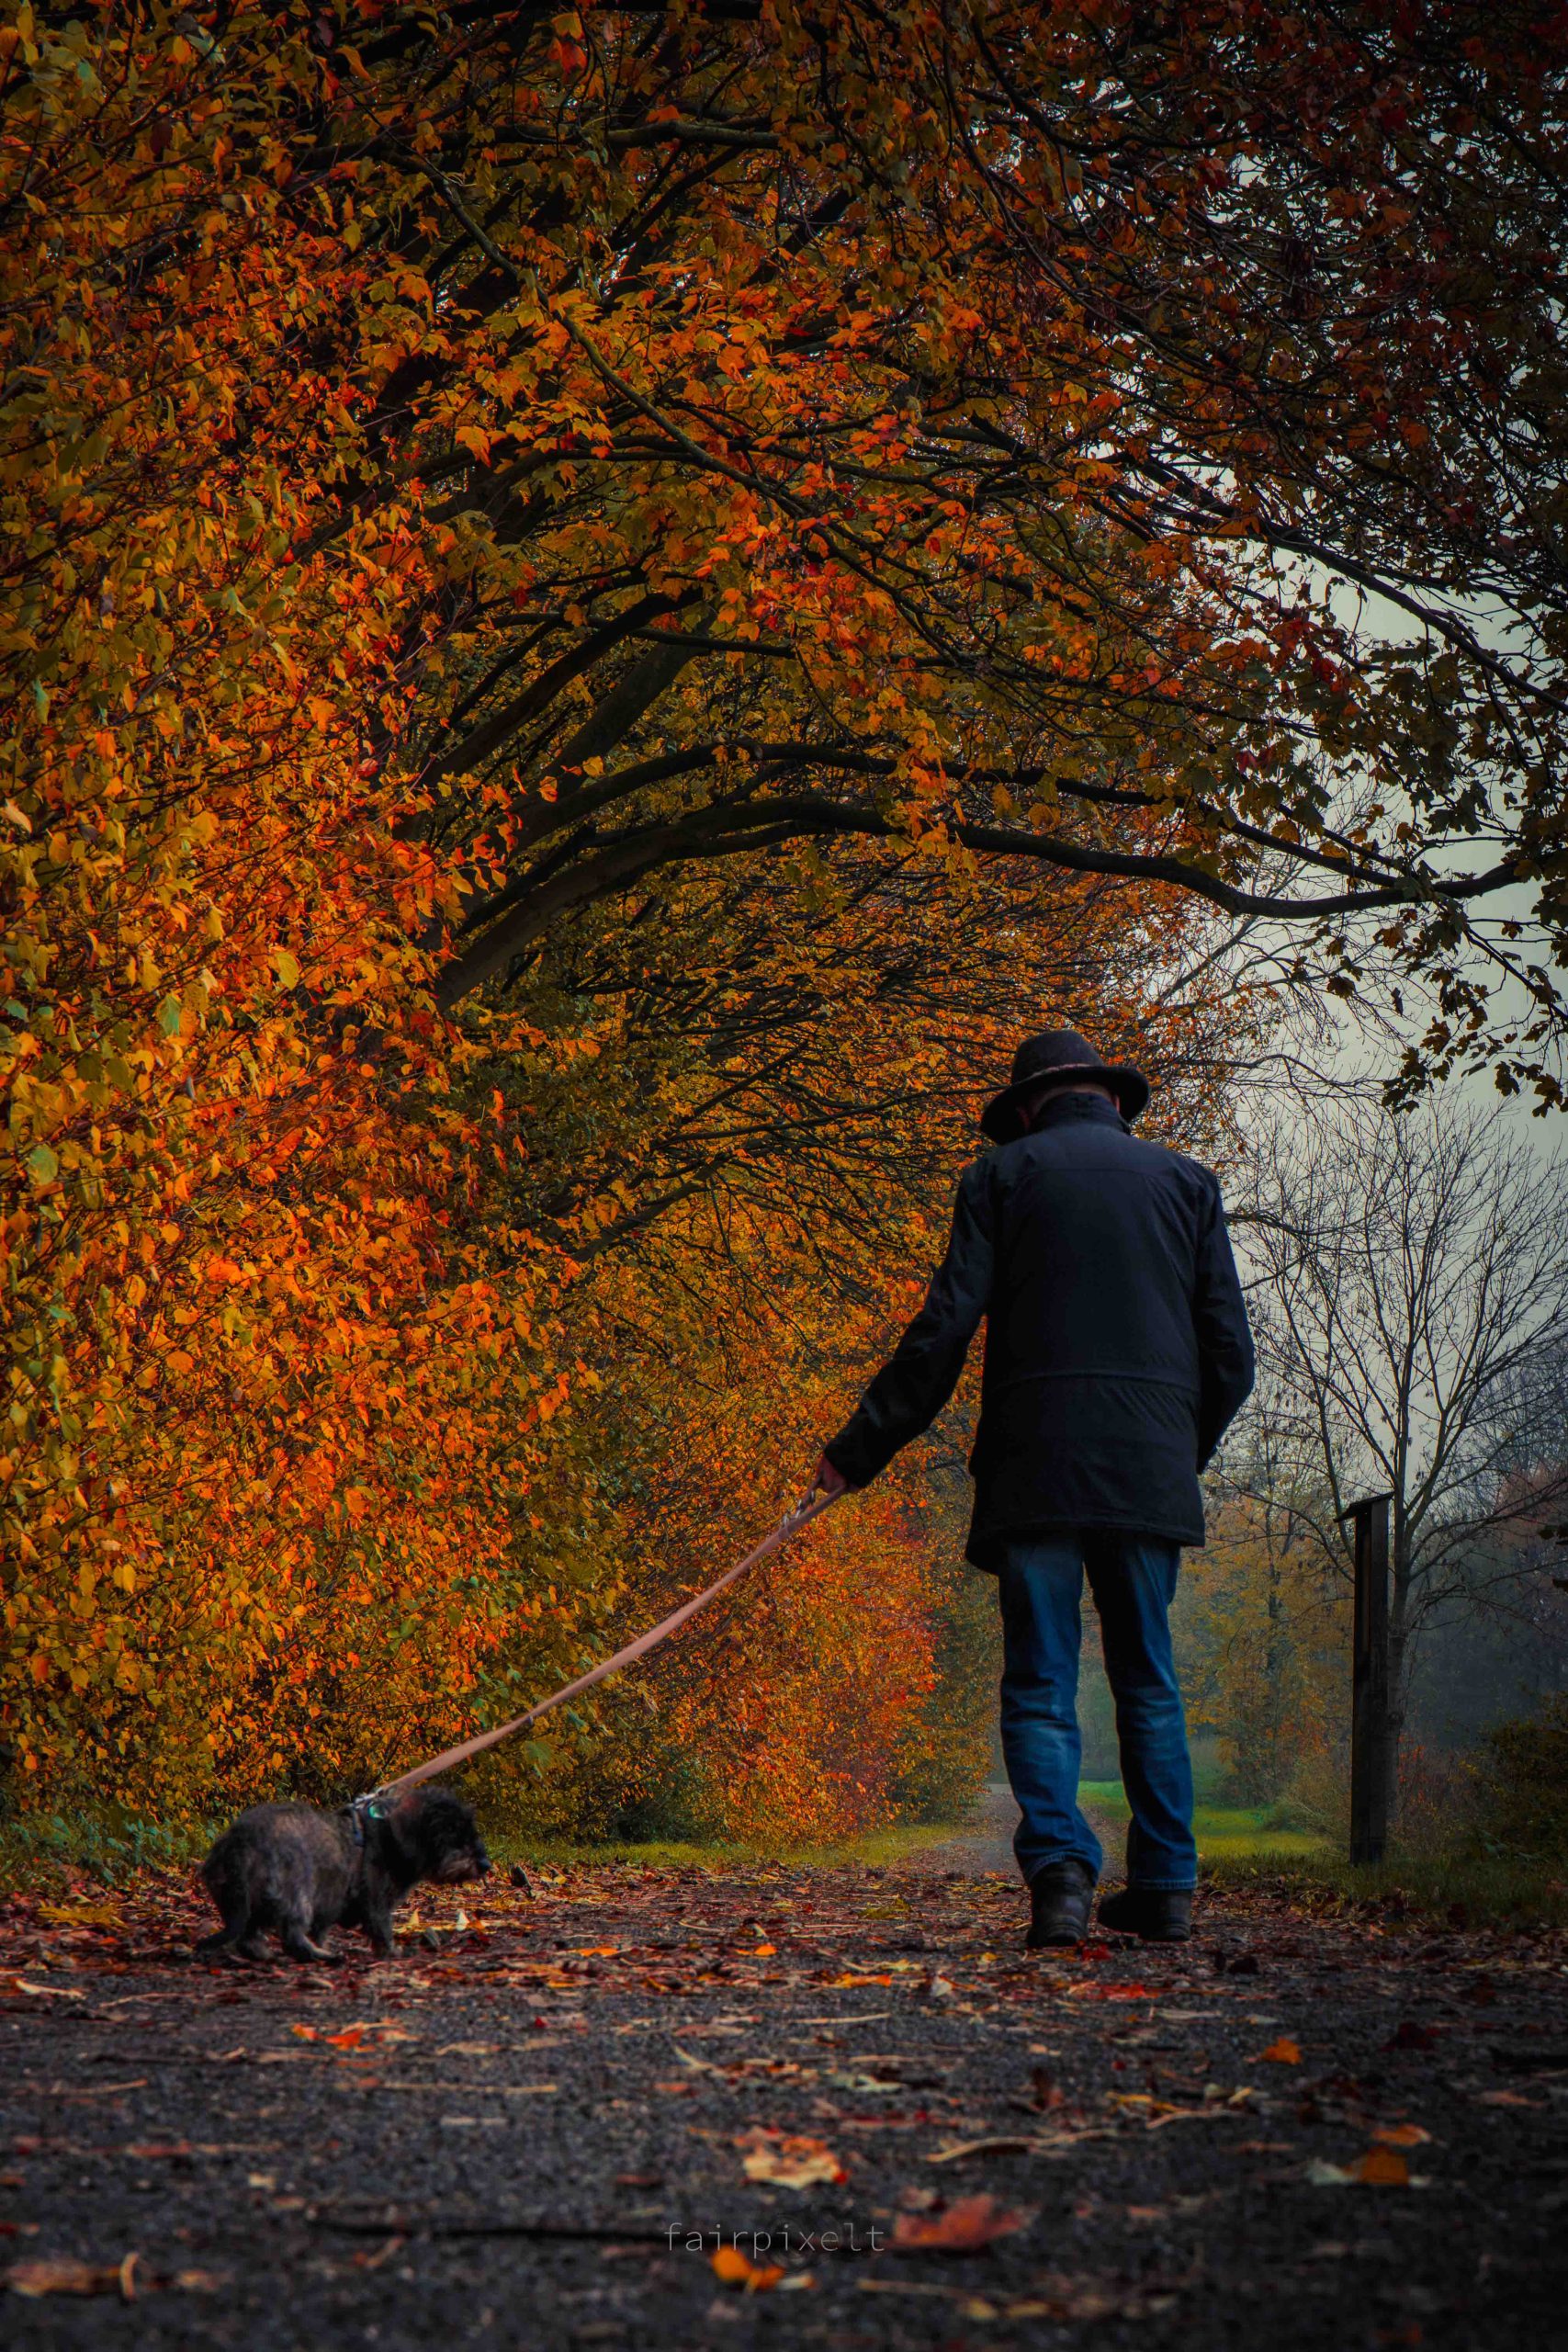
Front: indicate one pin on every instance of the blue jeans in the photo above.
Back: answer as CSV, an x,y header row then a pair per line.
x,y
1133,1579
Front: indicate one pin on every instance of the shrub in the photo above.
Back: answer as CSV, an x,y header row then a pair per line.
x,y
1522,1784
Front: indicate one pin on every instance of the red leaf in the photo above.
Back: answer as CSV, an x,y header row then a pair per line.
x,y
967,2227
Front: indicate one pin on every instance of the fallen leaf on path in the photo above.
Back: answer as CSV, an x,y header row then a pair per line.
x,y
788,2159
374,2256
1284,2052
1505,2098
738,2269
9,1984
1090,1989
836,1984
1401,2135
69,2277
1379,2168
1004,2144
1218,2112
81,1915
968,2226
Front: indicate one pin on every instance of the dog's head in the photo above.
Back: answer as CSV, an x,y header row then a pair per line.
x,y
438,1837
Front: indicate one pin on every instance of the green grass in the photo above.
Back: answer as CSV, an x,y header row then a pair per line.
x,y
1232,1833
876,1850
1462,1888
42,1852
1245,1847
1224,1833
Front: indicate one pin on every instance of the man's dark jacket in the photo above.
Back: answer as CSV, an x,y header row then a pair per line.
x,y
1117,1347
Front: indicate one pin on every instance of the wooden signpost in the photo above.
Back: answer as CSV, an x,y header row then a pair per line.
x,y
1371,1795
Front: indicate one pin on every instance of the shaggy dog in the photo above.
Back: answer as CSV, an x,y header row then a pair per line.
x,y
299,1871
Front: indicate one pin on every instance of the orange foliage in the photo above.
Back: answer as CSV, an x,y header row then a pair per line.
x,y
320,1302
253,1367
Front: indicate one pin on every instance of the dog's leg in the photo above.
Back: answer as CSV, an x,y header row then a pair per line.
x,y
234,1910
378,1924
299,1945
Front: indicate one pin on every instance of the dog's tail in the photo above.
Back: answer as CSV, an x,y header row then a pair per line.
x,y
228,1883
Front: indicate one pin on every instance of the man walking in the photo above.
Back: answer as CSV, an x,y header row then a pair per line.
x,y
1117,1351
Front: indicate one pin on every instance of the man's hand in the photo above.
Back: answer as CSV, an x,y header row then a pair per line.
x,y
826,1481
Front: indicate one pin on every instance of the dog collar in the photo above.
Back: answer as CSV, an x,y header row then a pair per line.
x,y
360,1811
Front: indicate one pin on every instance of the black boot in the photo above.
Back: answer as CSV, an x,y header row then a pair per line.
x,y
1059,1897
1160,1915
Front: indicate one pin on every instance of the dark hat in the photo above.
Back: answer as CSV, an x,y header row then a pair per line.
x,y
1058,1056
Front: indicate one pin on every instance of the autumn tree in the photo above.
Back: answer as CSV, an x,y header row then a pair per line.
x,y
1089,439
1263,1622
1411,1311
574,583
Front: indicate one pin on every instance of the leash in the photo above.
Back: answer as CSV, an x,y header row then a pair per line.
x,y
790,1525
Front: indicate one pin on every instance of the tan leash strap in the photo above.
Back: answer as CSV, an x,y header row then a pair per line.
x,y
791,1524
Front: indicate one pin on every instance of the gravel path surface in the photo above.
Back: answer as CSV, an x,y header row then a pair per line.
x,y
529,2127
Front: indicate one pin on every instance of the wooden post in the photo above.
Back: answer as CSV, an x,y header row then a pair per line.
x,y
1371,1795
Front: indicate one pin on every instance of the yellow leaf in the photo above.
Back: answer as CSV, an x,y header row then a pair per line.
x,y
788,2159
79,1914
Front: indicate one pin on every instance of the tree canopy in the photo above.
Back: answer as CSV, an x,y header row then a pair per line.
x,y
597,609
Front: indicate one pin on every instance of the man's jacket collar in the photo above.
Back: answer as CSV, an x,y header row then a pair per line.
x,y
1068,1108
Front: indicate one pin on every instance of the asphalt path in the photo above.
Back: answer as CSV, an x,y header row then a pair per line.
x,y
541,2122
